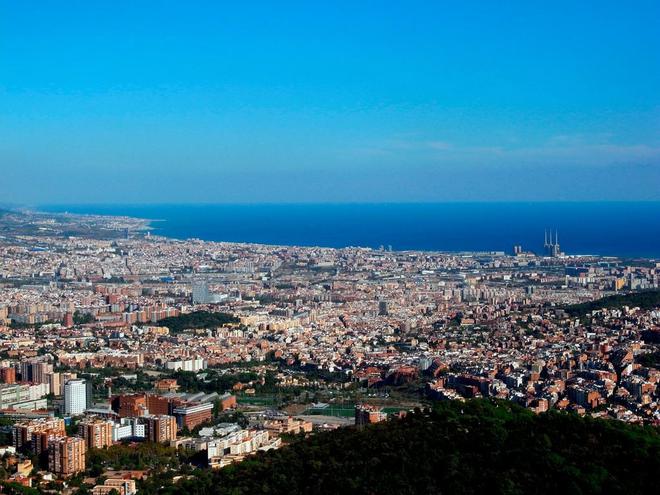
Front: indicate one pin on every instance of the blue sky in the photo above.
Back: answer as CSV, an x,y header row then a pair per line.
x,y
132,102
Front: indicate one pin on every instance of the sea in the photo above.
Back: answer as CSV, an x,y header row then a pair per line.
x,y
626,229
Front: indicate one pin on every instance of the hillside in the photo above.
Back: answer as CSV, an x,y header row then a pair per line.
x,y
473,447
647,299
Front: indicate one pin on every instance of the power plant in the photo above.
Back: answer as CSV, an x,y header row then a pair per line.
x,y
552,247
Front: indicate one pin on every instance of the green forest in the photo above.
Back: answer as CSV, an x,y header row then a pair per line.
x,y
198,319
478,446
647,299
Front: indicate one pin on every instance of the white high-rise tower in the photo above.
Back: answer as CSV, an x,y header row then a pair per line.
x,y
75,397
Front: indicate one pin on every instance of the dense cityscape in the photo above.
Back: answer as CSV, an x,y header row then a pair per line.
x,y
329,248
113,337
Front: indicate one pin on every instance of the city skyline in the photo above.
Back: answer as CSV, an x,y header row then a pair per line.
x,y
115,342
295,247
164,103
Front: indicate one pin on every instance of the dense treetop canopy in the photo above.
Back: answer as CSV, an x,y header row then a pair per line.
x,y
473,447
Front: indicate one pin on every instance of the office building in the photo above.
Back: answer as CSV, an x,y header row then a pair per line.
x,y
192,414
75,397
383,309
200,292
129,406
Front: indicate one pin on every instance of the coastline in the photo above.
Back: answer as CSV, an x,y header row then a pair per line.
x,y
620,229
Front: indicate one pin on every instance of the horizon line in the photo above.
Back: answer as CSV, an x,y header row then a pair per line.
x,y
327,203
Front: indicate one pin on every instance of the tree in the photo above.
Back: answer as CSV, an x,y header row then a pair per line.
x,y
478,446
82,318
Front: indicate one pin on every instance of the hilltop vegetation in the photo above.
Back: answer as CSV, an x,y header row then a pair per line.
x,y
146,455
647,299
650,360
198,319
472,447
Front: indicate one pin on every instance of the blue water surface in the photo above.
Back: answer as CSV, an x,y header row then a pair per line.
x,y
607,228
